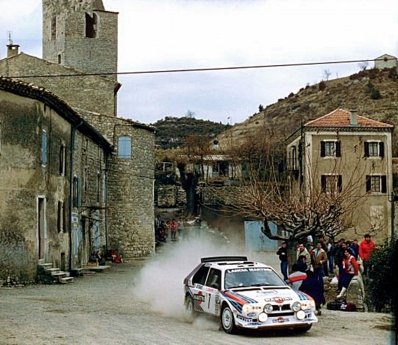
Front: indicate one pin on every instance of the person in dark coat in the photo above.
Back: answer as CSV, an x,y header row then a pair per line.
x,y
282,252
314,287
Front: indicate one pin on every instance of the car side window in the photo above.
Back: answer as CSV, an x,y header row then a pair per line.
x,y
214,279
200,276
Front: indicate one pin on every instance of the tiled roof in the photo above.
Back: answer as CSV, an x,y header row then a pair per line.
x,y
341,118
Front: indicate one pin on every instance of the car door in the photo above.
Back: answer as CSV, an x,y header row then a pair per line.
x,y
211,292
197,288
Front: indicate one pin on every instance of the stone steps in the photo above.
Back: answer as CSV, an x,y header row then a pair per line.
x,y
48,274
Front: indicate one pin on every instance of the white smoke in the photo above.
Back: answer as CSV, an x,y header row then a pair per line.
x,y
160,281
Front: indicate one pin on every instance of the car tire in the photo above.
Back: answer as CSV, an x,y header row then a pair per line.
x,y
227,320
190,312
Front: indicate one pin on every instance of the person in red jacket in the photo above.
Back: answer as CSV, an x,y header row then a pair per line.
x,y
350,269
366,248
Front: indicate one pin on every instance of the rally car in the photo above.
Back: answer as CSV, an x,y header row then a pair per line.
x,y
246,294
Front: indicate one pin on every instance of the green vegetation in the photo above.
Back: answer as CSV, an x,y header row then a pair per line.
x,y
171,131
382,282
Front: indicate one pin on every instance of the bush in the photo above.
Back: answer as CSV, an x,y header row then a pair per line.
x,y
382,282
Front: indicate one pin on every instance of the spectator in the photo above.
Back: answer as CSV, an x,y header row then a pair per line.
x,y
296,278
301,250
173,229
330,250
314,287
282,252
339,256
319,257
355,248
302,264
350,269
366,248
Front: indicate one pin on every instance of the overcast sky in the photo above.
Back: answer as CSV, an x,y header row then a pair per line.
x,y
180,34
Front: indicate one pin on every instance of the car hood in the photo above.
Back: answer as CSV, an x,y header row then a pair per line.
x,y
266,295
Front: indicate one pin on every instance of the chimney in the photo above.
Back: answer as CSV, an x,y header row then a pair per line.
x,y
353,118
12,50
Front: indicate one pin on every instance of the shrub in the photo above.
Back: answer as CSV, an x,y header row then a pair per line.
x,y
381,284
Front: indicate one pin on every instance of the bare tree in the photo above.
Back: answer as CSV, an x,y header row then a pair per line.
x,y
263,193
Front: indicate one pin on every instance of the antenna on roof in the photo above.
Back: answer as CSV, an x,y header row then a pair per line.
x,y
10,37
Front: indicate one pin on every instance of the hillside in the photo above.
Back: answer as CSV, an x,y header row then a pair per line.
x,y
171,131
373,93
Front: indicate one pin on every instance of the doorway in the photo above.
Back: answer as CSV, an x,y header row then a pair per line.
x,y
41,227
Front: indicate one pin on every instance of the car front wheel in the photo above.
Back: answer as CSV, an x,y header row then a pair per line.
x,y
227,320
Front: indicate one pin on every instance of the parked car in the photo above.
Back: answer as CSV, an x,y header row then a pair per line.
x,y
246,294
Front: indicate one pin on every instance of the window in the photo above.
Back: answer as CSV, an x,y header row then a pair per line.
x,y
59,59
331,184
98,186
91,25
53,28
43,147
292,159
124,147
214,279
76,192
330,148
60,216
62,159
374,149
200,276
376,184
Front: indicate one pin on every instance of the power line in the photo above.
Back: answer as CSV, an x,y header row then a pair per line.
x,y
205,69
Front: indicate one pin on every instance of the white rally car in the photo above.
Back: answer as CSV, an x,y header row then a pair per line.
x,y
246,294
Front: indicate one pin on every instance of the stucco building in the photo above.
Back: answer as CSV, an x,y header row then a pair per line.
x,y
78,67
343,150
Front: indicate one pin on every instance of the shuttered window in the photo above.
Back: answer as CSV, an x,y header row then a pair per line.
x,y
376,184
124,147
44,148
330,148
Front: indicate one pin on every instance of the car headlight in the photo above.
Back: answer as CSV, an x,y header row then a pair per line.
x,y
262,317
300,314
309,304
250,308
268,308
296,306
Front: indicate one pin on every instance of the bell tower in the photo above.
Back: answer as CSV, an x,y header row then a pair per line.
x,y
80,34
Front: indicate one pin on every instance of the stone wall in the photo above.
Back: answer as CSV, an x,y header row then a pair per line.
x,y
130,187
88,92
29,188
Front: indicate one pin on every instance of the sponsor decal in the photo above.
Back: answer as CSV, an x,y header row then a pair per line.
x,y
257,269
278,299
280,319
245,319
199,297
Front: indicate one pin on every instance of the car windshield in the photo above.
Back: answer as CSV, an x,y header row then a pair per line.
x,y
253,276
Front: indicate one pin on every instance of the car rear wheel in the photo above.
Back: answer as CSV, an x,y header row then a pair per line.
x,y
227,320
189,309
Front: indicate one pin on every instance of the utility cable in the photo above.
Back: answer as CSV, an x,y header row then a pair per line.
x,y
205,69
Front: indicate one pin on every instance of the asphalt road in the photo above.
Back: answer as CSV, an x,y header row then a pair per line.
x,y
140,302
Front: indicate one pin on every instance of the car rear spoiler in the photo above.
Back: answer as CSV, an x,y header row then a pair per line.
x,y
223,258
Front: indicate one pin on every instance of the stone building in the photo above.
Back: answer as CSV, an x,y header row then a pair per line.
x,y
80,43
386,61
343,151
53,165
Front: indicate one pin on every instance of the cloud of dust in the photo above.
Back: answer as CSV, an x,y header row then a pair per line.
x,y
160,282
